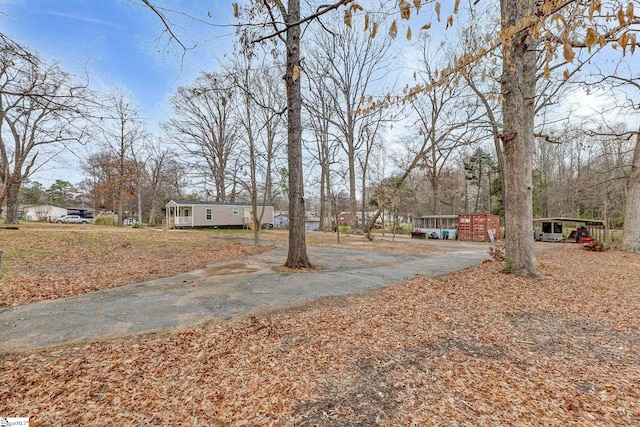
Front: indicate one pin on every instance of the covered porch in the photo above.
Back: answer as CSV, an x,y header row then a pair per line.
x,y
179,215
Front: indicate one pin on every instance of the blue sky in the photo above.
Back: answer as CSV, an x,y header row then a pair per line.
x,y
120,43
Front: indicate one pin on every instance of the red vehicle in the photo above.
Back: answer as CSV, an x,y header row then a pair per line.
x,y
582,235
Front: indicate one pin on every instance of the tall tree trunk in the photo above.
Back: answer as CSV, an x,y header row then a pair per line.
x,y
479,192
435,196
518,90
363,204
353,195
140,203
297,255
12,204
152,212
256,218
495,130
433,176
121,197
323,197
328,197
631,234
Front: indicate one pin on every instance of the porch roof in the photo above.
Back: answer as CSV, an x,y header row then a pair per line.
x,y
592,222
203,203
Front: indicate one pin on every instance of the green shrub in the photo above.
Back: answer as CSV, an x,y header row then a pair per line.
x,y
507,265
104,220
614,238
403,228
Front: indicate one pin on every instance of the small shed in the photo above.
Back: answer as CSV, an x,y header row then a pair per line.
x,y
311,224
281,220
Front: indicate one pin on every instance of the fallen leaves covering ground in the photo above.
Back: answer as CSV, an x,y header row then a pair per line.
x,y
479,347
57,261
49,261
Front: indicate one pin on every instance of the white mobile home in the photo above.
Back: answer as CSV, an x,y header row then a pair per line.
x,y
42,212
194,213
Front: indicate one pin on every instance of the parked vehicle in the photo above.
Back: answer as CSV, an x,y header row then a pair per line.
x,y
581,234
73,219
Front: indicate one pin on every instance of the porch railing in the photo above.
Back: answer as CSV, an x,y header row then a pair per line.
x,y
182,221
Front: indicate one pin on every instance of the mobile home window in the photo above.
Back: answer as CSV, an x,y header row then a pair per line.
x,y
208,214
235,211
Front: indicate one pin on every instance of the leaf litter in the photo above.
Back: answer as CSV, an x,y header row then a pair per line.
x,y
59,262
478,347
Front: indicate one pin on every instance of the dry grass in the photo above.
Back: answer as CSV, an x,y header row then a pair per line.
x,y
48,261
479,347
42,262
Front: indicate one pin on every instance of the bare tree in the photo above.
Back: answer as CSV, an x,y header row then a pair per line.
x,y
371,136
260,114
206,127
283,20
447,114
101,175
122,135
40,111
271,104
320,107
631,236
356,65
163,174
393,196
624,81
297,256
289,24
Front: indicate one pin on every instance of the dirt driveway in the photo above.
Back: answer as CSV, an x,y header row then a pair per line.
x,y
222,291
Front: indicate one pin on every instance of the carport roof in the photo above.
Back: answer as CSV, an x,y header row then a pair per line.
x,y
563,219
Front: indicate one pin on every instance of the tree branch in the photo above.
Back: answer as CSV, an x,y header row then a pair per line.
x,y
322,9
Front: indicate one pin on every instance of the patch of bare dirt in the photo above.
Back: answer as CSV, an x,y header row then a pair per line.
x,y
479,347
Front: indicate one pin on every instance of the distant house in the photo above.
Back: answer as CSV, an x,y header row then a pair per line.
x,y
345,217
41,212
281,220
195,213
